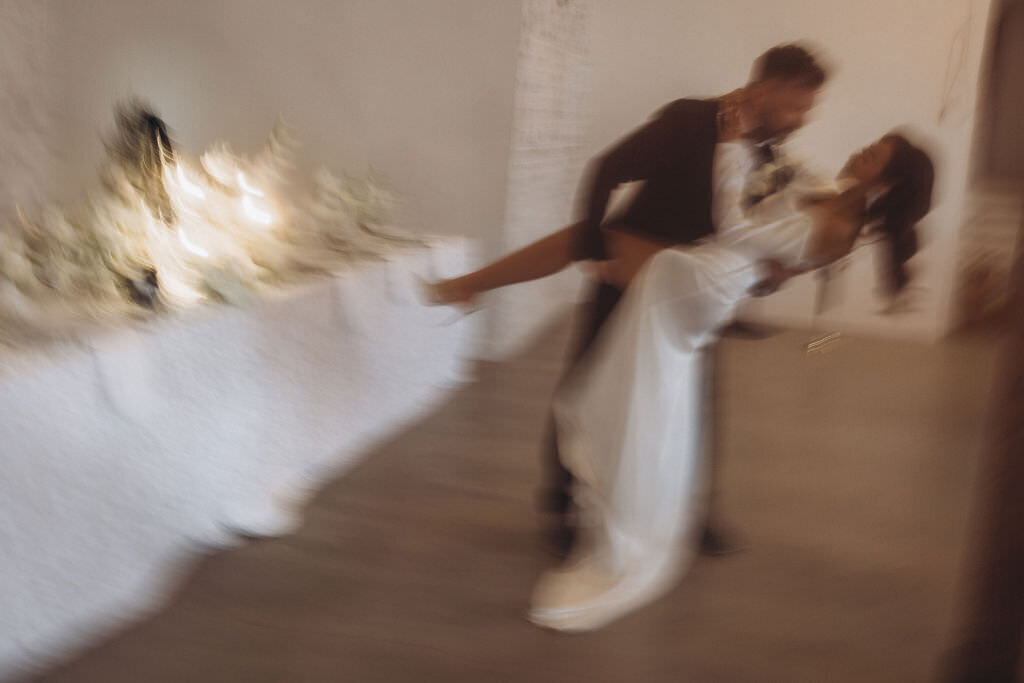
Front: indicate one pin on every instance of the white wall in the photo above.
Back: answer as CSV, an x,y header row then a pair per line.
x,y
423,91
29,88
545,161
891,61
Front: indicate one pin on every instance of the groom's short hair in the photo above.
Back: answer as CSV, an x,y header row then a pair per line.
x,y
793,63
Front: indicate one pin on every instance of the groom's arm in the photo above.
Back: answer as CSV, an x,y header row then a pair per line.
x,y
661,142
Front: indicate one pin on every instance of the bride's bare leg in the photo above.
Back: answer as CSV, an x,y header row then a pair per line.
x,y
544,257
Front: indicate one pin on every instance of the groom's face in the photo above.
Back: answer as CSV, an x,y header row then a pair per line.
x,y
784,107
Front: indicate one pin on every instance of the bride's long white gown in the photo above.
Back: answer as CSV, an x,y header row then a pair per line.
x,y
629,417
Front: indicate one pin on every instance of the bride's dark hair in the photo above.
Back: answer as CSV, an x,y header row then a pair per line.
x,y
911,175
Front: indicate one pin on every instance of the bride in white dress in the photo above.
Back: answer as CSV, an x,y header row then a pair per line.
x,y
628,416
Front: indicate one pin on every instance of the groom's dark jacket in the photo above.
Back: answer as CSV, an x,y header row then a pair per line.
x,y
673,155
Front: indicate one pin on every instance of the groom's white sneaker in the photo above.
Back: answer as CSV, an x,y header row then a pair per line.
x,y
580,597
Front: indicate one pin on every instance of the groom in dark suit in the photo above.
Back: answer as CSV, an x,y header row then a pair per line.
x,y
673,155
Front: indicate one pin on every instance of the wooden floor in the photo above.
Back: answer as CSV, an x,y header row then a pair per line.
x,y
848,475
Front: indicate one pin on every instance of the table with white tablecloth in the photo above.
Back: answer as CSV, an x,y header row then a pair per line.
x,y
125,453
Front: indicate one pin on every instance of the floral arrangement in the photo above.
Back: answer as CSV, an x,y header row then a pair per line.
x,y
161,232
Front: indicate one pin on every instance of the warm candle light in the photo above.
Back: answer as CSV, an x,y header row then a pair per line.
x,y
246,187
195,249
188,185
256,213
